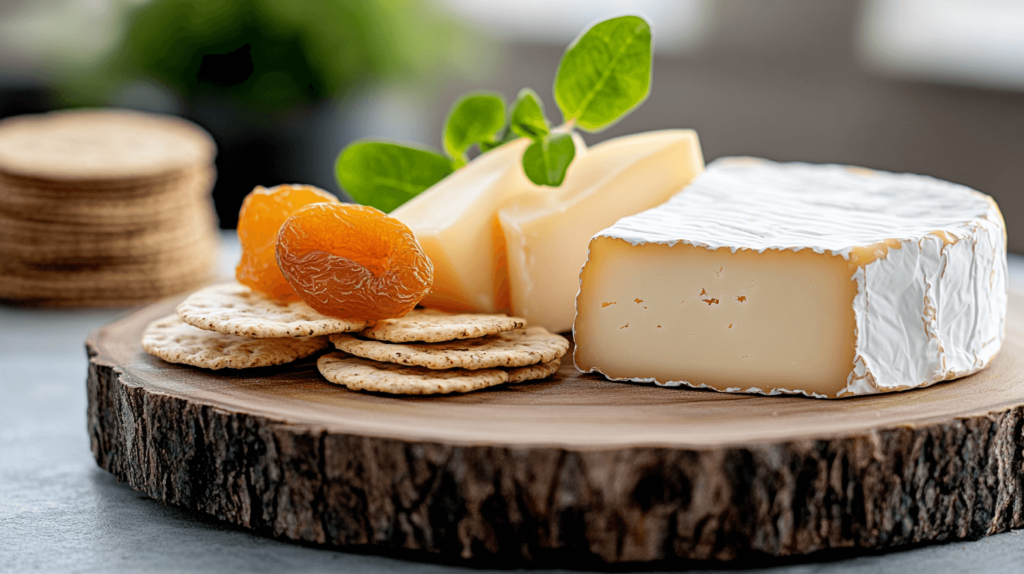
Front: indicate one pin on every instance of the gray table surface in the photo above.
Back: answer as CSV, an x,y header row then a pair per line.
x,y
60,513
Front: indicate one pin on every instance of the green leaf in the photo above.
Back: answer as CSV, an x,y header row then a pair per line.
x,y
605,73
547,159
528,116
473,119
386,175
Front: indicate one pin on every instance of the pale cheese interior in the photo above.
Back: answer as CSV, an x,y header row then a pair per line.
x,y
547,234
777,320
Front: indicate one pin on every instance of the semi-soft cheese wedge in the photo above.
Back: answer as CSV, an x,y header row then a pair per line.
x,y
772,278
546,235
456,223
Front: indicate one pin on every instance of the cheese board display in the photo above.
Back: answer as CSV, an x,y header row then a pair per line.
x,y
574,465
610,352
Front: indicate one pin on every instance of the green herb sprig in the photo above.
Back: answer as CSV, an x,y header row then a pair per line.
x,y
603,75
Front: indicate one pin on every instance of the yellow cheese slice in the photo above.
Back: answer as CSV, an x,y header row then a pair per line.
x,y
455,222
546,235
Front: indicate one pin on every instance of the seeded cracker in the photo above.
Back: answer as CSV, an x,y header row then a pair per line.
x,y
363,375
175,342
234,309
533,372
516,348
430,326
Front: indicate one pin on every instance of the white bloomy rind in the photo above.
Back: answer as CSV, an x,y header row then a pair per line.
x,y
932,310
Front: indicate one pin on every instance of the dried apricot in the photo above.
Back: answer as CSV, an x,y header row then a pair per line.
x,y
353,262
263,212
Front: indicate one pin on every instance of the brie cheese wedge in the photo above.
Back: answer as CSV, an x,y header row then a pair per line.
x,y
824,280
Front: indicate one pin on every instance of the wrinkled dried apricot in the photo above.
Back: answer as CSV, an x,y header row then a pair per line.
x,y
263,212
353,261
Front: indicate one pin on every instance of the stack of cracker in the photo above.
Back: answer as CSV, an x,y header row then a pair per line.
x,y
104,208
424,352
431,352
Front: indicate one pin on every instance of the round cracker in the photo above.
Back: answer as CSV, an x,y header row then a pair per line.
x,y
104,284
110,297
175,342
109,211
533,372
516,348
432,326
29,262
193,225
87,249
101,145
128,189
363,375
199,258
84,190
234,309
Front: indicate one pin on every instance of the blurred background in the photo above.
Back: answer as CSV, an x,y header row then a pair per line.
x,y
925,86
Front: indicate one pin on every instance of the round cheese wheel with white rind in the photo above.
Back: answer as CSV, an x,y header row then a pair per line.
x,y
778,278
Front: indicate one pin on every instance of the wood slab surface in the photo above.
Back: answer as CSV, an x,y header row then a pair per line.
x,y
574,467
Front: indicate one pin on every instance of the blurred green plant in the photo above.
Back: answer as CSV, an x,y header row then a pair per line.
x,y
271,55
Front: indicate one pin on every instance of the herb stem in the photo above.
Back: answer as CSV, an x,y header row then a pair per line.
x,y
564,128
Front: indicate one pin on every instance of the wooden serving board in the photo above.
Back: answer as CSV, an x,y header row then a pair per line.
x,y
574,467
